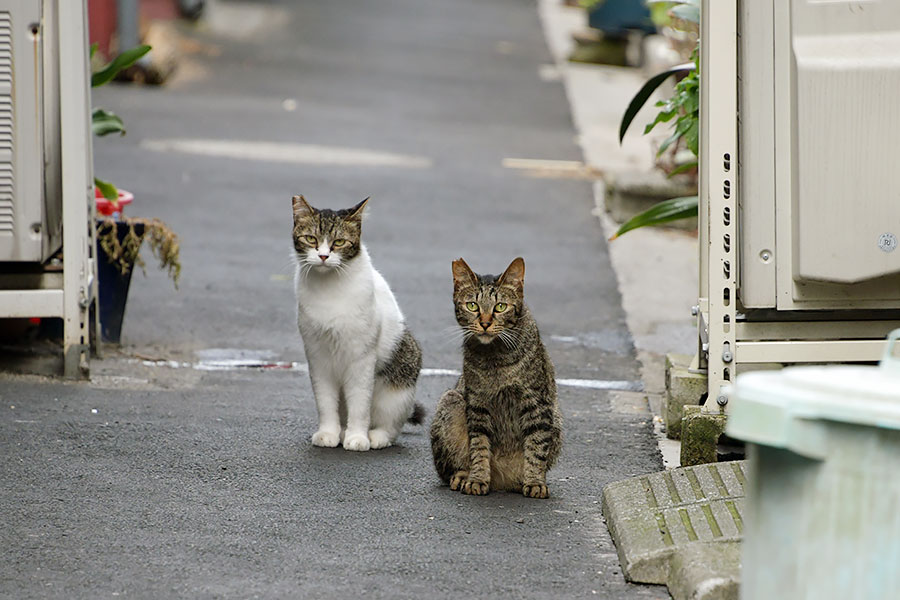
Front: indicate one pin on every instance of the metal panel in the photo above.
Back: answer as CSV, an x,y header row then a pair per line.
x,y
719,185
21,137
814,330
31,303
79,269
847,73
52,221
756,133
810,352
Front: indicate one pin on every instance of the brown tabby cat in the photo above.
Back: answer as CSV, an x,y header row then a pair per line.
x,y
500,427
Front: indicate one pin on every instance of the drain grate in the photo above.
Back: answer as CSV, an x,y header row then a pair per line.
x,y
651,516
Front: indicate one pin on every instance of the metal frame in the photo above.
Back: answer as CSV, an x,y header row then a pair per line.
x,y
69,294
732,336
719,190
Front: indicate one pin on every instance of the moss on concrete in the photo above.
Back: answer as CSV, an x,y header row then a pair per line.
x,y
699,436
682,388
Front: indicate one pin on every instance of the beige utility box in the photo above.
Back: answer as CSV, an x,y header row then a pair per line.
x,y
820,168
800,183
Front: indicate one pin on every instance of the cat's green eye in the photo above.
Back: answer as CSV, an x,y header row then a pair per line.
x,y
472,306
338,243
311,240
500,307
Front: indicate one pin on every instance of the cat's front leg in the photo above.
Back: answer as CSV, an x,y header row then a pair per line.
x,y
327,393
538,435
358,388
478,423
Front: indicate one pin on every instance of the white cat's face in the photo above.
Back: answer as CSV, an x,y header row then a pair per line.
x,y
323,255
326,239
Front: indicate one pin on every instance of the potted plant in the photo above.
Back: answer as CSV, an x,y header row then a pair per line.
x,y
119,238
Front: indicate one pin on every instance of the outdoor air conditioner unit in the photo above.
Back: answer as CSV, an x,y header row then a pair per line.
x,y
46,189
800,183
30,169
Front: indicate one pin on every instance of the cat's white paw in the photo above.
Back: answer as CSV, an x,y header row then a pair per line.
x,y
326,439
356,441
379,438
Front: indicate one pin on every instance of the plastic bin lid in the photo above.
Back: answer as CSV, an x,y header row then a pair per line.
x,y
790,408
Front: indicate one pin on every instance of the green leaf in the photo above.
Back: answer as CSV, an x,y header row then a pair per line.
x,y
687,12
94,47
662,212
644,93
104,122
108,190
661,117
683,124
684,167
692,136
122,61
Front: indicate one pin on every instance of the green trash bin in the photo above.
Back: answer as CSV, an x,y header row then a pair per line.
x,y
822,516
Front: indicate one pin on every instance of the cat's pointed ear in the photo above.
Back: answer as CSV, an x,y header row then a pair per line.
x,y
302,207
462,274
514,275
356,213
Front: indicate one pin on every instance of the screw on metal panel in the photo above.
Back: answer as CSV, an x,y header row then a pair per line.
x,y
722,400
695,310
727,357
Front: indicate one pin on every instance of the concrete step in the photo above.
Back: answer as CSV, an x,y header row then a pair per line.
x,y
680,527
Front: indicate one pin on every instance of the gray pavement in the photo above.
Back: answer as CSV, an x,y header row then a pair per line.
x,y
192,483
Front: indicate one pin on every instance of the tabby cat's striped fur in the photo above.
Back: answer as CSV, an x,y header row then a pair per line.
x,y
500,427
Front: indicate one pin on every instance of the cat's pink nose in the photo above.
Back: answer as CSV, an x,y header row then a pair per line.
x,y
485,325
324,257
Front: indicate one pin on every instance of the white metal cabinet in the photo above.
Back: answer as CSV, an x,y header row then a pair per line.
x,y
45,169
800,183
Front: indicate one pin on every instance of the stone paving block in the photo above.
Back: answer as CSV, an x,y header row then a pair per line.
x,y
706,571
655,516
700,432
682,388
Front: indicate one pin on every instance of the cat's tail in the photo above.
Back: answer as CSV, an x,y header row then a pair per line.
x,y
418,414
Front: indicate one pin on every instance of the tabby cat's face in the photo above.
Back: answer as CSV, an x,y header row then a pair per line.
x,y
488,307
326,239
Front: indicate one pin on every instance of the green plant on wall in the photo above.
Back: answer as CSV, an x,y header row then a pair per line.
x,y
162,240
682,110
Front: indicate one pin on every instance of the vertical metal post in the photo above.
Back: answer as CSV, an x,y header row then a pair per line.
x,y
127,26
718,186
79,270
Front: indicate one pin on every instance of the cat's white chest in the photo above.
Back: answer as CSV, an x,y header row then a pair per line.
x,y
334,307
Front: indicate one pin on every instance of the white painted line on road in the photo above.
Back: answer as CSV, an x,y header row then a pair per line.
x,y
541,164
603,384
308,154
538,167
439,372
237,364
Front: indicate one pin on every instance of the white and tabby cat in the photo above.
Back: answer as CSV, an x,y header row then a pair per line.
x,y
363,361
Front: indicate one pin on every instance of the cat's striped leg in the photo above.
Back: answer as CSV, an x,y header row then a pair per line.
x,y
478,423
539,435
450,439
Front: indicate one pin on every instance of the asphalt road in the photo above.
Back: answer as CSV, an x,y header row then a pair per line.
x,y
155,481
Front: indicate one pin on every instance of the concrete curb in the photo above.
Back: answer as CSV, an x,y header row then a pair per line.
x,y
680,527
